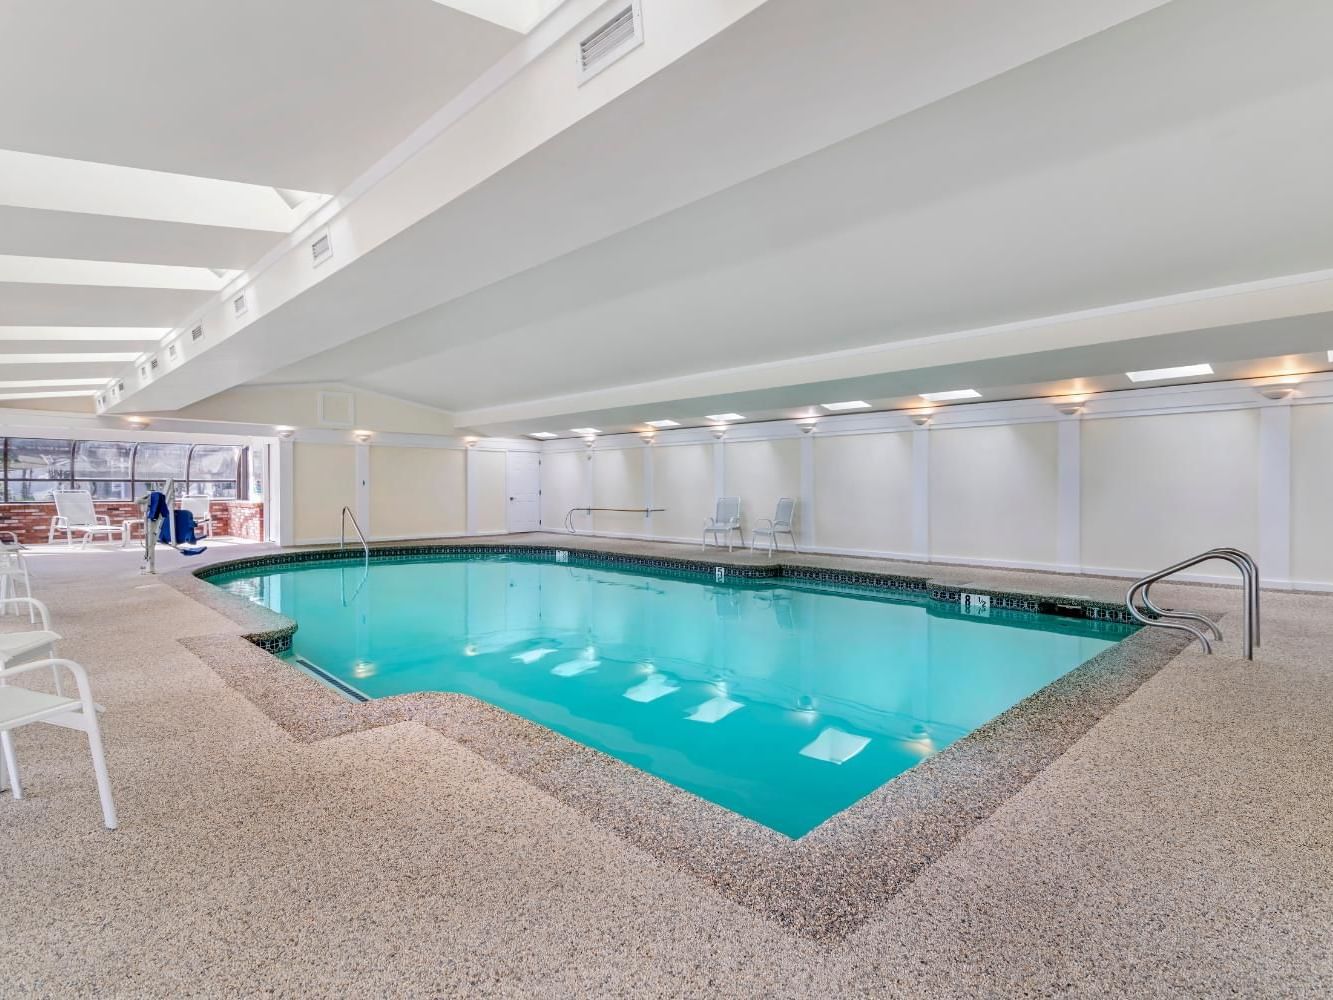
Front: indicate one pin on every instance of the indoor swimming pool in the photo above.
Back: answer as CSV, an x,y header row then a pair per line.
x,y
782,701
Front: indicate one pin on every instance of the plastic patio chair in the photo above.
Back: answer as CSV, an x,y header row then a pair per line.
x,y
13,571
779,524
20,706
198,506
75,512
726,519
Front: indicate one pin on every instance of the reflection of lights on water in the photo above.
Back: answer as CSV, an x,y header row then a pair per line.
x,y
921,739
470,649
362,668
646,667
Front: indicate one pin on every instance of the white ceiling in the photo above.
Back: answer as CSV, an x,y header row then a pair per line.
x,y
300,94
1185,149
150,149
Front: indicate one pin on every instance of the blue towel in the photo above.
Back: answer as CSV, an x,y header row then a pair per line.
x,y
157,506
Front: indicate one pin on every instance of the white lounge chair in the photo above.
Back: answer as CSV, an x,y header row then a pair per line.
x,y
75,512
779,524
13,571
725,520
203,521
20,706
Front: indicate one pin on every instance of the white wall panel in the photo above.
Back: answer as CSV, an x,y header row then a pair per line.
x,y
490,511
993,493
323,482
759,472
1312,493
683,484
562,487
1156,489
617,481
863,492
416,492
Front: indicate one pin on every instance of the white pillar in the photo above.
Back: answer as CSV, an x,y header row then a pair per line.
x,y
807,506
719,468
363,488
283,491
921,492
648,452
1069,475
1274,553
470,486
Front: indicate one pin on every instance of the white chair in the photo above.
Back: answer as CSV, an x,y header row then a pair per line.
x,y
75,512
21,706
726,519
18,646
203,521
778,524
13,571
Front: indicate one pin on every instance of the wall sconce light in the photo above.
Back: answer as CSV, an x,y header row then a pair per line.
x,y
139,423
921,419
590,440
1276,392
285,432
363,437
1070,409
470,442
648,437
808,426
720,431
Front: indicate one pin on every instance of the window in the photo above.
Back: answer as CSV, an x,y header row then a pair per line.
x,y
214,470
33,468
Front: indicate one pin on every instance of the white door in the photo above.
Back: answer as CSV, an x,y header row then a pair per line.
x,y
523,476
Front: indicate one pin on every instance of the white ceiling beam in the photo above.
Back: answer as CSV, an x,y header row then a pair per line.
x,y
51,383
147,334
109,274
516,15
54,183
47,395
109,357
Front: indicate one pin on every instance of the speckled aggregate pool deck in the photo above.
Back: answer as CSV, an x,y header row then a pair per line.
x,y
1178,847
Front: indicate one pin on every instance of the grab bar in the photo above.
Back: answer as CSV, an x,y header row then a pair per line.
x,y
1177,620
342,541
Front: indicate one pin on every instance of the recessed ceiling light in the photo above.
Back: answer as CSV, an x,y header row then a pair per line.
x,y
944,397
724,417
1157,374
851,404
544,435
585,431
662,423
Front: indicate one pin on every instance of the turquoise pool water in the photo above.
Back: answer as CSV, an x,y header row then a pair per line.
x,y
783,703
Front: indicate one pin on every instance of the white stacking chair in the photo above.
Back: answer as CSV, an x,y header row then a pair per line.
x,y
17,646
13,571
726,519
779,524
198,506
75,512
20,706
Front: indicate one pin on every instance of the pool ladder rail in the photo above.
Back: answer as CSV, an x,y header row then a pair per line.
x,y
1201,628
365,553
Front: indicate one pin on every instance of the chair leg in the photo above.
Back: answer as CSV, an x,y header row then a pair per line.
x,y
98,753
11,764
27,588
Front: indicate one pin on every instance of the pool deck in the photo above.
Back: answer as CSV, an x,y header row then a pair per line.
x,y
1176,843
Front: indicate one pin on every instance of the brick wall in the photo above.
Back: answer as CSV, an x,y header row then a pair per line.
x,y
31,521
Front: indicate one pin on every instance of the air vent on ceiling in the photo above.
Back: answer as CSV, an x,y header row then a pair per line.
x,y
620,34
197,333
120,387
172,350
143,371
240,305
321,249
153,364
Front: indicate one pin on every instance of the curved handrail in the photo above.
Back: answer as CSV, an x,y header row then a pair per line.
x,y
1176,620
342,528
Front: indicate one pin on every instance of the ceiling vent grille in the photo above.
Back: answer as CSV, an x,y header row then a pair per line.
x,y
240,305
143,371
171,352
120,387
197,333
153,364
321,249
619,35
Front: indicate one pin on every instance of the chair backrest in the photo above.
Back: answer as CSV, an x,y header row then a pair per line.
x,y
76,507
728,511
196,505
786,510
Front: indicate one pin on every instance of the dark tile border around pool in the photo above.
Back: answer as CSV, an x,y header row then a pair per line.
x,y
824,885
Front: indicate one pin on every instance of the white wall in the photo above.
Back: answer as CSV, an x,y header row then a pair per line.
x,y
417,492
564,485
993,494
1157,489
617,481
863,492
487,500
1133,482
323,482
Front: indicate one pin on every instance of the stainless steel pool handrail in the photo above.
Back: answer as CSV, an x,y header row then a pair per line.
x,y
342,541
1159,617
